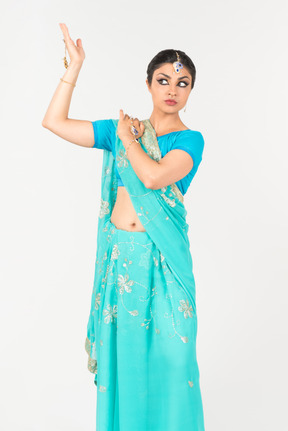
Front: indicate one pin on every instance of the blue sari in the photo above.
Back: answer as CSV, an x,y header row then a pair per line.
x,y
142,328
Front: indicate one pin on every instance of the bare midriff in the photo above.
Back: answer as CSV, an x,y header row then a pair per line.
x,y
124,215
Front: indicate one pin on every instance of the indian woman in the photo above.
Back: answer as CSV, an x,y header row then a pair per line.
x,y
142,325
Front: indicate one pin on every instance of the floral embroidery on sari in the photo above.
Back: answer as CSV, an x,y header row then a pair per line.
x,y
163,214
110,313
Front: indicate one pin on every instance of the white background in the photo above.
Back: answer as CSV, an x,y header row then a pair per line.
x,y
237,202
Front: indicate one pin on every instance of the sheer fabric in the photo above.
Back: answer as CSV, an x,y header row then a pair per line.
x,y
142,327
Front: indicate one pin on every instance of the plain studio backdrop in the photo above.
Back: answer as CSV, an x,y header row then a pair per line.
x,y
237,202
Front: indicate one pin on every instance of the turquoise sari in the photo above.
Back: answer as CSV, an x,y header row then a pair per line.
x,y
142,328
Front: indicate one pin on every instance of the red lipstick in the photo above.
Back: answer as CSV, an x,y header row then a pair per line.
x,y
170,102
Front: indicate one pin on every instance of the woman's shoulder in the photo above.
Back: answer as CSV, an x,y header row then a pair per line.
x,y
191,141
187,136
190,132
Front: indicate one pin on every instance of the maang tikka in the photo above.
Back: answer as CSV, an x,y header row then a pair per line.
x,y
177,65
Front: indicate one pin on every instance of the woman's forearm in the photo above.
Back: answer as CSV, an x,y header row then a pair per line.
x,y
143,165
58,108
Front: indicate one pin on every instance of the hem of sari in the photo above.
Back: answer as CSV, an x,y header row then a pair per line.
x,y
92,363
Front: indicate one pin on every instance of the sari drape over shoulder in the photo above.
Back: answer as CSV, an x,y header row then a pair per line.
x,y
168,269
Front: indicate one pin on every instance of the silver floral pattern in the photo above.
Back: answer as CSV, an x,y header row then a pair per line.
x,y
145,259
90,348
186,308
122,159
102,388
104,208
110,313
170,202
115,252
124,283
97,300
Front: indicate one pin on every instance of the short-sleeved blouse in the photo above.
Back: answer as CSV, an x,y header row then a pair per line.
x,y
188,140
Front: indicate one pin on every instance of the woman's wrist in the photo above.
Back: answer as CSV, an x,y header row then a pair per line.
x,y
126,140
75,65
72,72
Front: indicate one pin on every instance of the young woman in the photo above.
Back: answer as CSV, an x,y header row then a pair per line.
x,y
142,327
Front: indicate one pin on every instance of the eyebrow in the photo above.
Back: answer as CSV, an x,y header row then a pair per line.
x,y
167,76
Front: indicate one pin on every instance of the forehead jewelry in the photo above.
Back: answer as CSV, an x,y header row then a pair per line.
x,y
177,65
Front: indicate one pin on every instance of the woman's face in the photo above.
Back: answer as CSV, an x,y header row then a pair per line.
x,y
168,85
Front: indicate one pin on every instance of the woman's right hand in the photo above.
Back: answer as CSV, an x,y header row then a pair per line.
x,y
76,52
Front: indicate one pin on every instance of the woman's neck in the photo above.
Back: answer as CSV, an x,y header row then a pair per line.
x,y
166,123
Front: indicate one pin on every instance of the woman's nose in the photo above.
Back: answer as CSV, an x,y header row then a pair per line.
x,y
171,91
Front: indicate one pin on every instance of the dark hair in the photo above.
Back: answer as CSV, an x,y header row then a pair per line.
x,y
169,56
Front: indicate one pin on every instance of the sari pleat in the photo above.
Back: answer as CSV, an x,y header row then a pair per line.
x,y
142,327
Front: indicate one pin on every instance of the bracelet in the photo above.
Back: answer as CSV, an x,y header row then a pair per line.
x,y
128,146
68,82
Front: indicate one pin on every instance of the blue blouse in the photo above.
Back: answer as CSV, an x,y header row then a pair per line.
x,y
188,140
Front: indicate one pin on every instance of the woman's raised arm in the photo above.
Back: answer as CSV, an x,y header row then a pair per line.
x,y
56,119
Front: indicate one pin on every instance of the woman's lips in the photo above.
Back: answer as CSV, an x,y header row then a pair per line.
x,y
170,102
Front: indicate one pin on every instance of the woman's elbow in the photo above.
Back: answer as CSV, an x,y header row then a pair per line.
x,y
151,183
46,124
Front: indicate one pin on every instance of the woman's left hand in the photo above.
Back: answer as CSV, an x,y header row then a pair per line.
x,y
124,127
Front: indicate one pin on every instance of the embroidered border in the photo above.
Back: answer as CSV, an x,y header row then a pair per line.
x,y
92,363
151,144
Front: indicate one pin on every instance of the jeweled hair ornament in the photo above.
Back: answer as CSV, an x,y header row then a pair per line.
x,y
177,65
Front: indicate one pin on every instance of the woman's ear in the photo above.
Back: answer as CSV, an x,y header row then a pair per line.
x,y
147,83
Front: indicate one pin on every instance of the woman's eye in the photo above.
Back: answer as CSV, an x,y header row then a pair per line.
x,y
183,82
160,80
